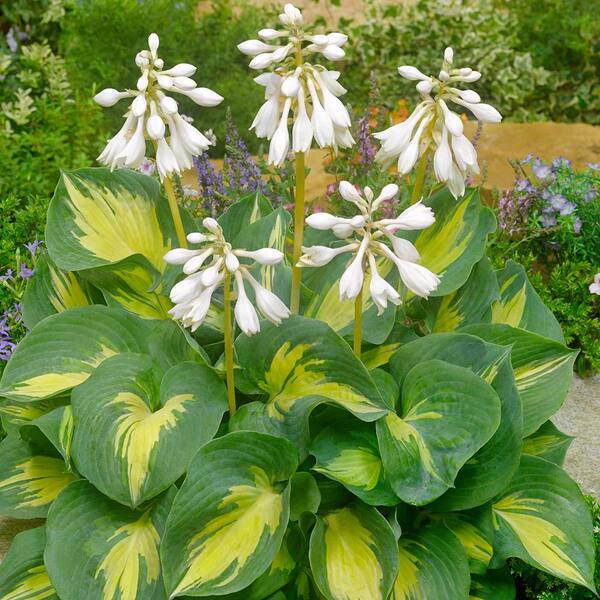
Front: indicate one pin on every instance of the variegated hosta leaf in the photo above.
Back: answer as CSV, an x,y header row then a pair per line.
x,y
23,575
430,439
353,554
491,468
30,479
543,370
52,290
242,214
137,429
347,452
520,306
475,532
63,350
100,549
230,515
16,414
326,305
279,573
548,442
134,285
433,564
100,217
296,366
542,518
56,427
494,585
466,305
456,241
305,496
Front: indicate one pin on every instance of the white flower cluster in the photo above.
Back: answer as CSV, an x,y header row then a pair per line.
x,y
192,295
309,92
366,239
432,123
152,111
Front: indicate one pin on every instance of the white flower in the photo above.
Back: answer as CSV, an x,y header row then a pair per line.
x,y
433,126
192,295
151,112
595,287
308,92
369,242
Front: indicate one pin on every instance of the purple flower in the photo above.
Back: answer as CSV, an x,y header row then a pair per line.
x,y
568,209
577,226
527,159
147,167
558,201
541,170
8,275
547,220
211,184
32,247
594,166
11,40
26,272
561,161
590,195
366,147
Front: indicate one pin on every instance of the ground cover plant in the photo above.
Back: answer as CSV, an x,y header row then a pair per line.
x,y
239,406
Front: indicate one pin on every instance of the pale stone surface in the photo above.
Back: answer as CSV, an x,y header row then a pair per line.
x,y
580,417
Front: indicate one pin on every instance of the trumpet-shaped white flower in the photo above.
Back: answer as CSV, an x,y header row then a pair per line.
x,y
432,125
206,268
367,239
309,92
152,112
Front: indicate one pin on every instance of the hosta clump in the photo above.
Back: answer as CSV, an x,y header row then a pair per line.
x,y
413,471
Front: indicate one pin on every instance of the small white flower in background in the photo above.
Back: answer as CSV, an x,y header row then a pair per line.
x,y
308,93
367,239
595,287
206,268
153,115
433,124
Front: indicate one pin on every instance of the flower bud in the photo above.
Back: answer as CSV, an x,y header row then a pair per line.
x,y
204,96
254,47
168,105
153,43
336,38
412,73
155,127
333,52
109,97
449,55
349,192
268,34
211,224
180,70
184,83
138,106
196,237
261,61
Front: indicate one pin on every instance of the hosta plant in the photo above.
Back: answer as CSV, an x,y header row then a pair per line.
x,y
170,463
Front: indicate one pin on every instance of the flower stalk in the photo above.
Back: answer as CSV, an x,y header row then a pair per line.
x,y
298,233
358,310
228,341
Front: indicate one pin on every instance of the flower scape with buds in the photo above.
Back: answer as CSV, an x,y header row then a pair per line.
x,y
309,92
397,448
432,125
367,239
152,112
192,296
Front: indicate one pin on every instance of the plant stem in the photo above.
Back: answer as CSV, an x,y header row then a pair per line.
x,y
298,234
420,178
228,339
168,185
358,306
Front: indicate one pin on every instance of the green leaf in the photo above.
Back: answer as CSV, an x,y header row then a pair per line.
x,y
137,429
30,478
520,306
62,351
433,564
475,532
295,375
16,414
492,467
468,304
347,452
494,585
548,442
543,519
52,290
100,549
456,241
429,440
23,575
543,370
230,515
353,554
242,214
305,495
55,426
100,217
326,305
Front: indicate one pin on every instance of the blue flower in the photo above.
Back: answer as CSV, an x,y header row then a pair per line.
x,y
541,170
547,220
577,226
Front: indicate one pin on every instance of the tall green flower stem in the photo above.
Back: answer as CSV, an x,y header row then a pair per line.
x,y
298,233
358,309
174,206
228,339
298,217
